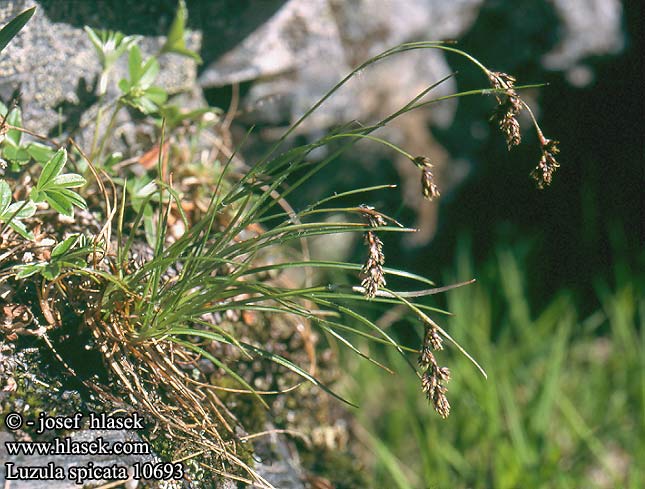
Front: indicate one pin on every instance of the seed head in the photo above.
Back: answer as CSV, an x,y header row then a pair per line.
x,y
429,384
372,274
505,116
501,81
509,106
434,377
543,172
443,374
426,358
432,337
440,402
428,185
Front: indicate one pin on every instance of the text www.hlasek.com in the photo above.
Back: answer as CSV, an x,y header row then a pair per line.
x,y
67,446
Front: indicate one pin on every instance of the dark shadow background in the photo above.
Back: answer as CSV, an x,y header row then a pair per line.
x,y
591,222
223,23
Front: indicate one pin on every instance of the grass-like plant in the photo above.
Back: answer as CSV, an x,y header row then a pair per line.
x,y
157,306
563,406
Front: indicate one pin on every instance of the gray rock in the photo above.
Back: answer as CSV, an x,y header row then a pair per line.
x,y
294,51
589,27
308,46
54,66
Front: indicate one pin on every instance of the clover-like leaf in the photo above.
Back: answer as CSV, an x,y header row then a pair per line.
x,y
15,154
53,187
52,168
11,148
14,118
70,252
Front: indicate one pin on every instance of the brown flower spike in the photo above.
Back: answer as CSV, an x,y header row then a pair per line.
x,y
435,377
372,274
543,173
428,185
508,107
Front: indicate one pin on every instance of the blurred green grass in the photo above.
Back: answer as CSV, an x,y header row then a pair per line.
x,y
563,407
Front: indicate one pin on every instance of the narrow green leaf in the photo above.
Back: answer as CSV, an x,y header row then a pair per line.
x,y
124,85
69,180
5,196
73,197
28,210
175,42
176,32
134,65
9,31
52,168
36,195
149,225
95,40
14,119
221,365
264,354
29,270
21,229
392,465
149,72
335,265
189,53
39,152
64,246
59,202
157,95
143,104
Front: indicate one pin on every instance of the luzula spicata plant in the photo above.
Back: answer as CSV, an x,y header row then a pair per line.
x,y
434,378
508,108
509,105
372,274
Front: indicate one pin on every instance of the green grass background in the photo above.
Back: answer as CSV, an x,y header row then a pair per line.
x,y
563,407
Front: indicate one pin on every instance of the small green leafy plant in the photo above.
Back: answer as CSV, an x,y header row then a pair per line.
x,y
109,46
54,187
64,255
13,214
138,90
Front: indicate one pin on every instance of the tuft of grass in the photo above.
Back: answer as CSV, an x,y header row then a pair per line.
x,y
563,406
152,296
